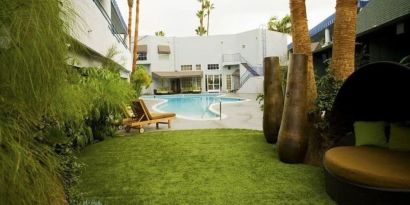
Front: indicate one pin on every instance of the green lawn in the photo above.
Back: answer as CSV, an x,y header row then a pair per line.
x,y
223,166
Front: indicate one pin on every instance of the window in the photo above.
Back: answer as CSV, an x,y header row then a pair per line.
x,y
198,82
142,56
213,66
228,82
198,66
186,83
186,67
213,83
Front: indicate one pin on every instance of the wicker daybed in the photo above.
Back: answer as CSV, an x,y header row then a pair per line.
x,y
369,174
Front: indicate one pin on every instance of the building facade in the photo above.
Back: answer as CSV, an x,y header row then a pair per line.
x,y
382,34
97,28
220,63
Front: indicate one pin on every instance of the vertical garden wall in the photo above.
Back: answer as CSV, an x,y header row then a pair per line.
x,y
47,108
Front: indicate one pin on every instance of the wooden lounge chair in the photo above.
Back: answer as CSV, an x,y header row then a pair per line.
x,y
142,116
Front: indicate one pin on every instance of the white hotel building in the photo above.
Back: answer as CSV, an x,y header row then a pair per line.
x,y
220,63
98,26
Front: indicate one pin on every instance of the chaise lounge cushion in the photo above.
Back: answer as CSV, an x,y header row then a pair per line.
x,y
370,166
155,115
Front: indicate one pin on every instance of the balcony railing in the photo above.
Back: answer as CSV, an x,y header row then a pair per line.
x,y
232,58
114,32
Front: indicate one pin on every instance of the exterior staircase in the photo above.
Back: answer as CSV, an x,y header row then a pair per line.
x,y
251,71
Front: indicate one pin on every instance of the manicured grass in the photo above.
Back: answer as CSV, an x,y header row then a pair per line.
x,y
196,167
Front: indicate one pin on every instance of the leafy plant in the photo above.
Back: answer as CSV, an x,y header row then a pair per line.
x,y
163,89
140,79
108,95
280,25
260,98
328,88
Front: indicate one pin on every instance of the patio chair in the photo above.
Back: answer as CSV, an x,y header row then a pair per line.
x,y
142,116
377,92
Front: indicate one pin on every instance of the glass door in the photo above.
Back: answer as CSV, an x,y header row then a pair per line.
x,y
214,83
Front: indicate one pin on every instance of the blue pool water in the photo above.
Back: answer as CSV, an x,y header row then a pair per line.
x,y
192,106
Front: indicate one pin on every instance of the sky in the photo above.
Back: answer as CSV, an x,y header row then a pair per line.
x,y
177,17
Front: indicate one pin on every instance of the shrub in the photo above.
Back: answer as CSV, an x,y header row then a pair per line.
x,y
140,79
327,87
108,95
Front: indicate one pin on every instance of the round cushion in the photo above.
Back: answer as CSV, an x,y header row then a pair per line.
x,y
370,166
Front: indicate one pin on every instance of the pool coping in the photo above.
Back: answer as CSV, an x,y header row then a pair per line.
x,y
210,107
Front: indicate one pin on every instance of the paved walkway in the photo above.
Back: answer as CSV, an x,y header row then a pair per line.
x,y
244,115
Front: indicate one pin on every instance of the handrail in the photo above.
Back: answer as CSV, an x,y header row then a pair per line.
x,y
245,77
250,70
237,57
111,26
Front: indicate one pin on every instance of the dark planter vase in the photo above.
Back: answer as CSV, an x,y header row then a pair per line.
x,y
273,99
292,140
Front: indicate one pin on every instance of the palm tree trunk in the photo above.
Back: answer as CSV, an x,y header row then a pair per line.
x,y
130,4
135,52
301,45
207,26
344,38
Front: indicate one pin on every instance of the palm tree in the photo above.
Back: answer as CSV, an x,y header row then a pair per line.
x,y
160,33
130,5
283,25
201,29
302,44
209,6
344,38
135,52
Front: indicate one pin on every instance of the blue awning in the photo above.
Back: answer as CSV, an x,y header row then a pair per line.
x,y
331,20
362,3
322,25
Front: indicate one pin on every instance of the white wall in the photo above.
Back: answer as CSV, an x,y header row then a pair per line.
x,y
91,29
158,62
210,49
249,46
276,44
253,85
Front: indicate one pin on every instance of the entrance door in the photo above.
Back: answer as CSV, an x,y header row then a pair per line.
x,y
214,83
175,86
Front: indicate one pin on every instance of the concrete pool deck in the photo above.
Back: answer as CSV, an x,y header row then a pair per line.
x,y
243,115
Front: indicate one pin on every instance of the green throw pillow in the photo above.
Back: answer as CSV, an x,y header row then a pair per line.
x,y
399,138
370,133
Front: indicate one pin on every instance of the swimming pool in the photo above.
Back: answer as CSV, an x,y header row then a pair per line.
x,y
192,106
